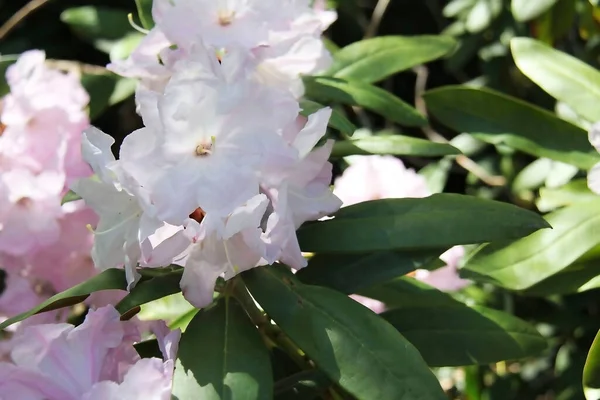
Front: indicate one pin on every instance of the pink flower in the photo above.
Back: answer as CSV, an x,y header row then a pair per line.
x,y
378,177
95,360
382,177
29,210
43,116
67,261
20,296
283,35
374,305
238,248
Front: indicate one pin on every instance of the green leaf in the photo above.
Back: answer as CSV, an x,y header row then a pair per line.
x,y
499,119
222,356
564,77
349,273
392,144
106,90
436,174
523,263
151,289
144,8
69,197
438,221
591,370
304,385
121,49
171,309
525,10
576,278
110,279
356,348
532,176
372,60
573,192
455,8
101,26
447,332
337,120
556,23
5,62
482,14
324,89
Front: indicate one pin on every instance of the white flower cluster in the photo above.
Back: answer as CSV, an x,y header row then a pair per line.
x,y
225,169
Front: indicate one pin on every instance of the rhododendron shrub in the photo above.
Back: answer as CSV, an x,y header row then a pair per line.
x,y
253,233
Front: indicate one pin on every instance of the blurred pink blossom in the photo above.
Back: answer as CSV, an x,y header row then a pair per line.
x,y
95,360
44,246
40,145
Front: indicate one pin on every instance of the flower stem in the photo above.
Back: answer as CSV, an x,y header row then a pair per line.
x,y
267,329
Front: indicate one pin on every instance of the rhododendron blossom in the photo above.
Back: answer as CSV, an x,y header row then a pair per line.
x,y
95,360
218,180
381,177
284,38
44,246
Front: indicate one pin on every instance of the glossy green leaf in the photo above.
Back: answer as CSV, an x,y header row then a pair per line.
x,y
447,332
573,192
337,120
144,8
222,356
151,289
101,26
563,76
499,119
356,348
325,89
392,144
525,10
108,280
438,221
349,273
528,261
578,277
106,90
591,370
374,59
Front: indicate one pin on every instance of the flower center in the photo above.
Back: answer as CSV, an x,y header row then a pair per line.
x,y
225,17
198,214
24,202
205,148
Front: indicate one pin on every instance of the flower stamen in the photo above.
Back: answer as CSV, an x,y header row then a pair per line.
x,y
204,149
225,17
